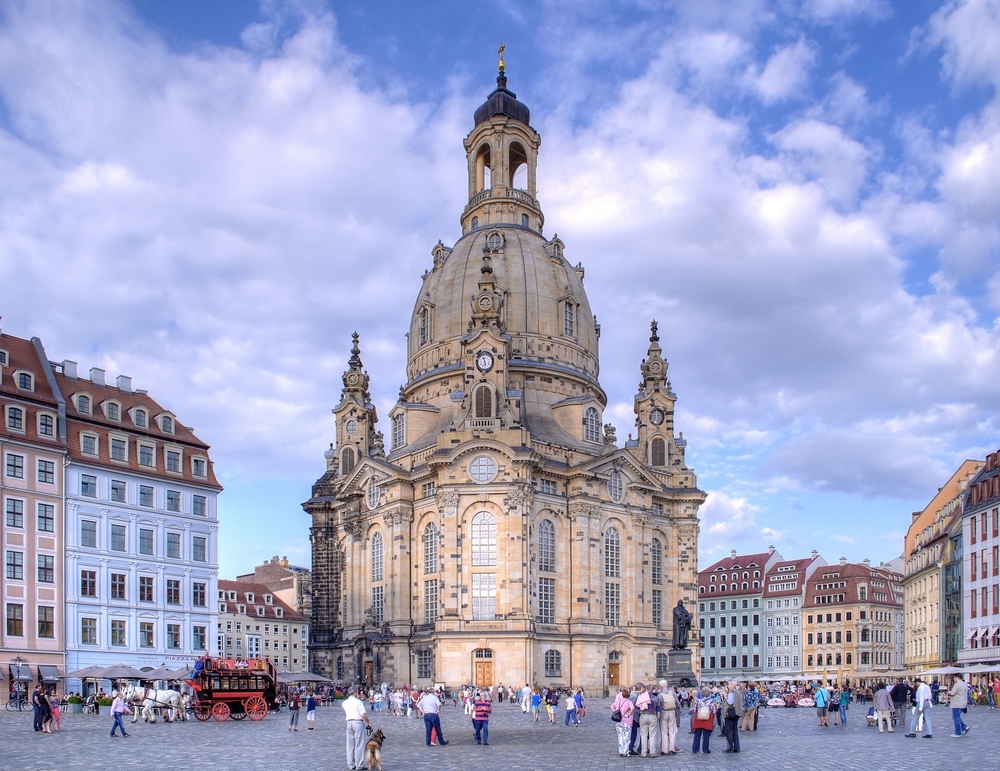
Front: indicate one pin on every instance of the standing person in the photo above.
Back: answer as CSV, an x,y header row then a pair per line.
x,y
357,719
430,706
751,701
117,710
958,700
571,710
822,699
536,702
923,708
883,708
46,703
733,706
624,705
647,721
581,706
36,705
702,711
669,710
311,711
54,704
293,710
845,698
526,699
552,704
900,697
481,709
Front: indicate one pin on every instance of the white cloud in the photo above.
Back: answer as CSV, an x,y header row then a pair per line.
x,y
968,31
786,73
840,10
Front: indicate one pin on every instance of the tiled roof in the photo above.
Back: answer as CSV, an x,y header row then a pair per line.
x,y
800,567
739,563
98,423
852,574
23,356
258,591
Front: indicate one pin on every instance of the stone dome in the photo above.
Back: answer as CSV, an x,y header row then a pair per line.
x,y
537,284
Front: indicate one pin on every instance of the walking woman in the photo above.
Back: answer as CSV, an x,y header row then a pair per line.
x,y
623,705
704,721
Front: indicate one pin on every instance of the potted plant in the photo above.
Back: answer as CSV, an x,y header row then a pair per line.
x,y
105,706
75,704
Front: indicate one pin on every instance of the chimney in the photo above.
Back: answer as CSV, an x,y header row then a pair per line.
x,y
69,369
814,554
732,554
124,383
843,561
97,376
770,549
866,562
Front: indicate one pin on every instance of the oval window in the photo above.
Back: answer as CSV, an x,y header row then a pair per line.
x,y
483,469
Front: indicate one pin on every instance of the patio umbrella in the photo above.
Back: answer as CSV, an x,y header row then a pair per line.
x,y
162,673
87,673
121,672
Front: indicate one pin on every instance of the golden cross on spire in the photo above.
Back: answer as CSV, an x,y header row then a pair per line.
x,y
503,64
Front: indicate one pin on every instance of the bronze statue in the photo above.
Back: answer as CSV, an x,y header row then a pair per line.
x,y
503,64
682,625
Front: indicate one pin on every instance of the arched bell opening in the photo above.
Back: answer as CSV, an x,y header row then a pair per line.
x,y
483,168
518,165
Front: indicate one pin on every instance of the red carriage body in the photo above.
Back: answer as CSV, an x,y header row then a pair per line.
x,y
233,688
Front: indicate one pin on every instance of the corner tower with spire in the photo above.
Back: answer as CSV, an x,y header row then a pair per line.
x,y
504,536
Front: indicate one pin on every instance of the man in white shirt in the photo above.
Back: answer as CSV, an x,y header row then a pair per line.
x,y
923,699
430,705
357,719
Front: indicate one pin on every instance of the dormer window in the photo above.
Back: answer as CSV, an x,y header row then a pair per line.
x,y
4,361
279,612
268,599
568,318
88,444
113,411
250,597
140,418
222,607
83,404
232,596
199,467
398,431
167,424
241,609
25,381
260,610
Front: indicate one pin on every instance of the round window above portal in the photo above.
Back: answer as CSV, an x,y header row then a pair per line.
x,y
483,469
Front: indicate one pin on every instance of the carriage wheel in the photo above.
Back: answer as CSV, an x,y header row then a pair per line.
x,y
203,710
256,707
220,711
237,712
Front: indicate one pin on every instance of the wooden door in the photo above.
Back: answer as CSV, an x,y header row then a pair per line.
x,y
613,673
484,674
369,673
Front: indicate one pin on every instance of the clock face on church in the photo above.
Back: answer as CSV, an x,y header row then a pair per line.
x,y
484,361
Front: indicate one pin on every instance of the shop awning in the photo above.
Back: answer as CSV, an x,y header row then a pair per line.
x,y
25,676
48,674
973,633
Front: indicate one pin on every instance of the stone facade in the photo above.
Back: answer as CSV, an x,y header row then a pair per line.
x,y
981,565
255,622
506,538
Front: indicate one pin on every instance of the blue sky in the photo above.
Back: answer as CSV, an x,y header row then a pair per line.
x,y
210,197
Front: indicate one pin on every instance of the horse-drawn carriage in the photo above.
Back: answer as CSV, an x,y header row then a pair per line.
x,y
233,688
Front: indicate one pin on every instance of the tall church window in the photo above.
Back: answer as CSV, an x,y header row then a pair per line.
x,y
484,539
547,546
612,604
568,318
612,553
430,548
430,601
658,608
547,600
484,402
378,603
553,663
662,665
484,596
346,460
591,425
425,325
616,486
656,562
398,431
378,554
659,452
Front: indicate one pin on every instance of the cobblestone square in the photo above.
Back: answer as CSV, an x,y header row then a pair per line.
x,y
786,739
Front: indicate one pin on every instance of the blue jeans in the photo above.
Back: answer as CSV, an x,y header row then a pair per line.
x,y
482,728
118,724
571,715
701,737
956,715
843,713
431,720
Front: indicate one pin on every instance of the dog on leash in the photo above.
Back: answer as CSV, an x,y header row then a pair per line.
x,y
373,750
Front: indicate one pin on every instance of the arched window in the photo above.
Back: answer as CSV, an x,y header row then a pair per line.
x,y
568,310
484,402
659,452
431,548
547,546
484,539
524,221
616,486
656,560
483,168
378,554
612,553
591,425
425,325
553,663
398,431
83,404
518,165
346,460
167,424
475,223
662,666
862,593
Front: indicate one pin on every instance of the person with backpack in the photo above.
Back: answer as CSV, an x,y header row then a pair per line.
x,y
669,710
822,699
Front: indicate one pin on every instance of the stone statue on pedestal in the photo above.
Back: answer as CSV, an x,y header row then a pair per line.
x,y
682,625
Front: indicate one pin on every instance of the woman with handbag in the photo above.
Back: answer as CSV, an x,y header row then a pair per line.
x,y
621,714
704,721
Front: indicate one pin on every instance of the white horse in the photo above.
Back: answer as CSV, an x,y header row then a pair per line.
x,y
149,698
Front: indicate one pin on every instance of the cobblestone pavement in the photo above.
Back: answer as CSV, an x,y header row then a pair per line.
x,y
786,739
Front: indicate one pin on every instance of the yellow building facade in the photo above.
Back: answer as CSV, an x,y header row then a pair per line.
x,y
505,537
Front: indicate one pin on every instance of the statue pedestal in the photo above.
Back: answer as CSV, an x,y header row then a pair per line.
x,y
679,670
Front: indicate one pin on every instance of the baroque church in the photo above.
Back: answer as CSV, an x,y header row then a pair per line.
x,y
505,537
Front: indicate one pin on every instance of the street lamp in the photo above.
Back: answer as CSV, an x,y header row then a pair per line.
x,y
604,674
17,664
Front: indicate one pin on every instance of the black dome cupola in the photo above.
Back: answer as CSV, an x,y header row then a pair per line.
x,y
503,102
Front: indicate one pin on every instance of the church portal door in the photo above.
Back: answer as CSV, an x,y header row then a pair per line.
x,y
484,674
613,673
369,673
